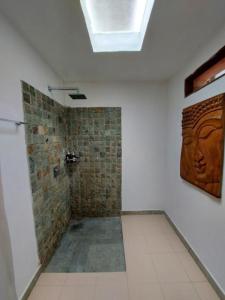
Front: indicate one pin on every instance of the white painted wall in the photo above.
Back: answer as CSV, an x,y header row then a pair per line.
x,y
7,284
199,217
18,61
143,131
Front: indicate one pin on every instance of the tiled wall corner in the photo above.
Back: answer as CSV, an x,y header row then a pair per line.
x,y
90,188
46,138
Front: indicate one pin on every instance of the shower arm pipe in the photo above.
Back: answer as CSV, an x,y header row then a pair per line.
x,y
51,88
17,123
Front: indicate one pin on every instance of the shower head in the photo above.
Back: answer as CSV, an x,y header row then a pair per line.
x,y
78,96
75,96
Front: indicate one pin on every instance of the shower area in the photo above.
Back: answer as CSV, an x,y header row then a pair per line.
x,y
74,157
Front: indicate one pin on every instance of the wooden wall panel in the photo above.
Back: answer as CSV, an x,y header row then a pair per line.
x,y
203,144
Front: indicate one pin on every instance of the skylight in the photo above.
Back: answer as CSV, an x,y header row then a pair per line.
x,y
117,25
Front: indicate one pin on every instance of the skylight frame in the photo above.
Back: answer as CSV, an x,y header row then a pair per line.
x,y
118,41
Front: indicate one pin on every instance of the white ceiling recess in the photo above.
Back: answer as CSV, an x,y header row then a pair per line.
x,y
57,30
118,25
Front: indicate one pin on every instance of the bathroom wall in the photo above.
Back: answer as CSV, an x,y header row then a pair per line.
x,y
95,135
46,139
143,122
19,61
7,282
199,216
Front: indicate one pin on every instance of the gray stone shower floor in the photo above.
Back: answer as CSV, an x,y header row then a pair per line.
x,y
95,246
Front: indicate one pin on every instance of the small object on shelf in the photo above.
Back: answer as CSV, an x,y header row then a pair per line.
x,y
71,158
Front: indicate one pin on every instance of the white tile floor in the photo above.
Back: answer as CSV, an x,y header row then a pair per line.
x,y
158,268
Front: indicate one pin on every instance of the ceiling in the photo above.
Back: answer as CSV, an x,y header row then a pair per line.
x,y
57,30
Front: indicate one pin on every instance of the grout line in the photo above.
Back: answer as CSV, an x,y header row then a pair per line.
x,y
60,293
162,291
128,290
193,281
95,289
194,287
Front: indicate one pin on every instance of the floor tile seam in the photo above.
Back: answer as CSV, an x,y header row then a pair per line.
x,y
64,281
185,270
58,284
95,279
160,226
94,292
149,284
80,284
171,244
37,288
196,290
102,284
160,281
162,291
172,250
60,293
147,247
161,252
77,285
175,283
149,233
207,282
50,285
128,292
155,269
108,281
126,273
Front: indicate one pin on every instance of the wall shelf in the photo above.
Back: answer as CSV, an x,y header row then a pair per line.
x,y
207,73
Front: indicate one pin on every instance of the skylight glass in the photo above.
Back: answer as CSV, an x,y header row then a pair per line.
x,y
117,25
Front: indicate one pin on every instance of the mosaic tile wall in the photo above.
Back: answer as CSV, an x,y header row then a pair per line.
x,y
95,134
91,188
46,137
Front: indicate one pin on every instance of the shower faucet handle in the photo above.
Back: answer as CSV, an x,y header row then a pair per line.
x,y
71,157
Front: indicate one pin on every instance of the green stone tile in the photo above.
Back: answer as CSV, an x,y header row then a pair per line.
x,y
94,133
94,246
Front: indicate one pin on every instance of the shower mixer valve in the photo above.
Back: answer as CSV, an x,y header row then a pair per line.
x,y
71,157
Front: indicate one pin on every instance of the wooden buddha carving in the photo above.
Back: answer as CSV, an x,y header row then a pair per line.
x,y
203,143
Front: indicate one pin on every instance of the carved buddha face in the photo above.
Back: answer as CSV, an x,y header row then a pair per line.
x,y
202,148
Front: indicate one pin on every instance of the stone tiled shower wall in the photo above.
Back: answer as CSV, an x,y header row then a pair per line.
x,y
91,188
46,137
95,134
